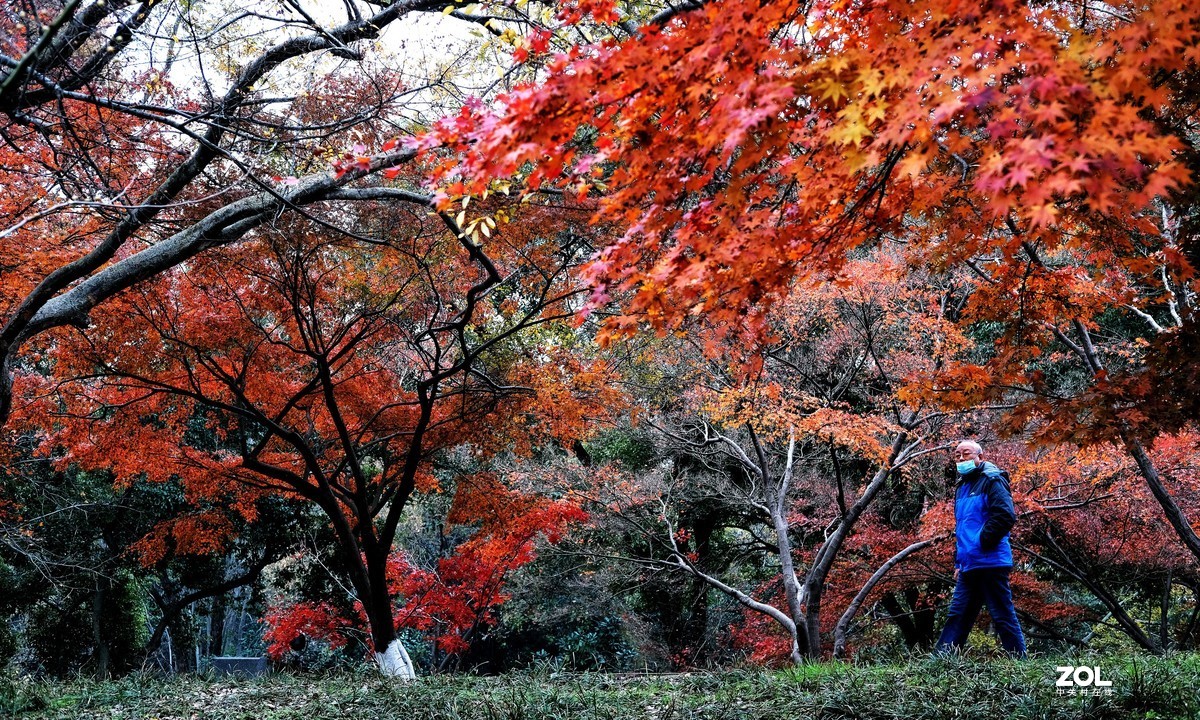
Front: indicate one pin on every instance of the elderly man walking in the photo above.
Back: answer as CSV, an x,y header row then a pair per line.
x,y
983,516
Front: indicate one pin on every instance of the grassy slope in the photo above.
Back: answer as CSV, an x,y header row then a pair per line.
x,y
924,688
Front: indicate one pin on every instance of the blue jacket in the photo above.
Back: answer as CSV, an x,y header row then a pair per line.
x,y
983,515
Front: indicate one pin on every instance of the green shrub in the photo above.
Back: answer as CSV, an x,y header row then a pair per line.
x,y
125,624
59,639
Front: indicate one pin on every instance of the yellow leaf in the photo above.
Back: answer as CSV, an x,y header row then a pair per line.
x,y
834,90
851,133
460,218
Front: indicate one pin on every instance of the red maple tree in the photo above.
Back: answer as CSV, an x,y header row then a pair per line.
x,y
333,370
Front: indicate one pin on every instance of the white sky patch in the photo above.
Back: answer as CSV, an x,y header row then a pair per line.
x,y
202,51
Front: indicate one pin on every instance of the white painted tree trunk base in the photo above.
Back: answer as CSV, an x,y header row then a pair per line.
x,y
395,662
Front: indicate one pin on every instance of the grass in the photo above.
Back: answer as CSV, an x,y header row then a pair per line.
x,y
1143,687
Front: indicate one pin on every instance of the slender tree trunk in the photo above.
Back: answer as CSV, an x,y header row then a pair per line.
x,y
695,600
240,627
172,608
99,599
802,618
801,636
801,640
1164,637
924,619
216,630
171,669
843,624
1124,620
818,573
1175,515
1189,630
812,617
899,615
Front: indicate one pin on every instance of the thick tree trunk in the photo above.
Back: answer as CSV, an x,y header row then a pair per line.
x,y
390,656
394,661
802,642
812,622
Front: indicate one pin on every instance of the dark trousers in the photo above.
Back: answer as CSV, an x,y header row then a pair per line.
x,y
974,589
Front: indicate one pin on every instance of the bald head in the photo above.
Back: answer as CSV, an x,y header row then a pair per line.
x,y
968,450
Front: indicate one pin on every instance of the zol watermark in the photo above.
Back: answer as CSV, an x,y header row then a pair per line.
x,y
1081,680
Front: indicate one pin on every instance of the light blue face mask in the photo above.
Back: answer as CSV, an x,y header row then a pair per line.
x,y
965,466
